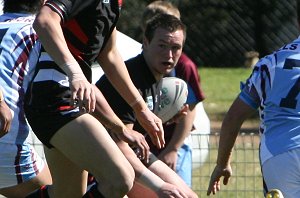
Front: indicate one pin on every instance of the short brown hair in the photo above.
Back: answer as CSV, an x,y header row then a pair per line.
x,y
159,7
165,21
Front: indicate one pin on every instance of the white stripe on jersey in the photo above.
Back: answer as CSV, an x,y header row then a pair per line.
x,y
52,74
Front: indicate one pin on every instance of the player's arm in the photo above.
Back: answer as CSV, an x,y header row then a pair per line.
x,y
116,71
5,116
181,131
146,177
48,27
236,115
111,121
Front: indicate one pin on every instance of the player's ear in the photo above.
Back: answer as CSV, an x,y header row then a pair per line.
x,y
145,42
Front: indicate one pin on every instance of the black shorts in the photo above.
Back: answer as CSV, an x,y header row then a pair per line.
x,y
47,105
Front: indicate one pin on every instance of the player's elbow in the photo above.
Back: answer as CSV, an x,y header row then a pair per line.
x,y
46,20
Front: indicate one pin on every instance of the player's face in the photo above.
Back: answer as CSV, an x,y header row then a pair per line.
x,y
163,51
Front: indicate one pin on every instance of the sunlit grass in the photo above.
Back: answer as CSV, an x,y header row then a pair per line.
x,y
221,86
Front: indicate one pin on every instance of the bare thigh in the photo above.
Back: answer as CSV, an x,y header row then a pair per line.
x,y
23,189
69,180
86,143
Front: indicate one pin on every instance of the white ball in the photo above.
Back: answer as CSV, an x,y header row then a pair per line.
x,y
171,95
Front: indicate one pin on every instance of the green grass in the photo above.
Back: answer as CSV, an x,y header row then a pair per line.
x,y
221,86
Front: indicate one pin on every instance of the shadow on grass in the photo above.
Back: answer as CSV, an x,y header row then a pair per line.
x,y
249,126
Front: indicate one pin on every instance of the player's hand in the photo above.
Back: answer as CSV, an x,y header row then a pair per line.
x,y
137,141
83,95
153,125
214,184
169,158
5,118
183,112
170,191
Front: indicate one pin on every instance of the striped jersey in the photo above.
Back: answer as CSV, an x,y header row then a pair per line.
x,y
274,87
19,51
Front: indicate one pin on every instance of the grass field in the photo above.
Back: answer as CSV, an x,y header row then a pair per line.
x,y
221,86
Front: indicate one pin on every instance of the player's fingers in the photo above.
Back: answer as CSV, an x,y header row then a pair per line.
x,y
87,99
160,133
74,100
154,139
212,188
2,126
209,189
145,150
6,127
183,195
226,180
93,100
179,194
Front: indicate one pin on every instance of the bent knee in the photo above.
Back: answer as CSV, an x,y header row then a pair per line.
x,y
117,188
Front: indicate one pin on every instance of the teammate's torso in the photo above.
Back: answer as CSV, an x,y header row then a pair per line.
x,y
19,51
277,81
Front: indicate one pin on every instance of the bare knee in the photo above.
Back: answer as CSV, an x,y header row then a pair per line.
x,y
117,188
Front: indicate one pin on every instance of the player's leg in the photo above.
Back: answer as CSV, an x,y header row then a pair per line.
x,y
283,172
21,170
69,180
86,142
184,163
23,189
168,175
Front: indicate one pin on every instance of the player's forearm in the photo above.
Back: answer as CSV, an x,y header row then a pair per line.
x,y
231,125
116,71
142,174
105,114
182,130
226,142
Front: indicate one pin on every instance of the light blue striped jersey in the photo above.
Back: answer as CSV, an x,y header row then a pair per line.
x,y
274,87
19,51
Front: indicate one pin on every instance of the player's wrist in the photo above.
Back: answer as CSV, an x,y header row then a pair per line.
x,y
116,128
138,104
73,71
222,164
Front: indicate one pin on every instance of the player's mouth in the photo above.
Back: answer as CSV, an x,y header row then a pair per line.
x,y
167,64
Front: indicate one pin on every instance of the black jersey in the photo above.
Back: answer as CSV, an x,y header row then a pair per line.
x,y
144,81
87,26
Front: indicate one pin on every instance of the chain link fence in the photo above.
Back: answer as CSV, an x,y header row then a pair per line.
x,y
220,32
246,180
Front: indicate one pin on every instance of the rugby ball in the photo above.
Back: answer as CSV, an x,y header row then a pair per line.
x,y
171,95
